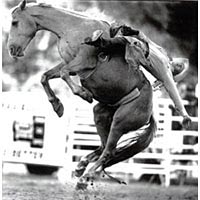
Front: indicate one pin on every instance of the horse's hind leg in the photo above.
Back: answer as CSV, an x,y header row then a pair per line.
x,y
51,74
103,118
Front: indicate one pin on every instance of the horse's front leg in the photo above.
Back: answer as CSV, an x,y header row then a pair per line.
x,y
83,163
103,118
53,73
76,89
108,152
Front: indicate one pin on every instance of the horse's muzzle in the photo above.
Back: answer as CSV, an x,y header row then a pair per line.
x,y
16,51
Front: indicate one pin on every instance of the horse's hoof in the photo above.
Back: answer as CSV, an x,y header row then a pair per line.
x,y
90,176
79,172
90,100
83,181
58,107
87,97
60,110
81,185
81,168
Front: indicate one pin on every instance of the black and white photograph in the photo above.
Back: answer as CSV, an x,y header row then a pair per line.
x,y
99,100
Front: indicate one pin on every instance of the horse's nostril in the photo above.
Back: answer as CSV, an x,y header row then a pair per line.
x,y
16,51
19,49
12,49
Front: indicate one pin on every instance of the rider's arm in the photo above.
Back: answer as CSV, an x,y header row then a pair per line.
x,y
173,93
172,90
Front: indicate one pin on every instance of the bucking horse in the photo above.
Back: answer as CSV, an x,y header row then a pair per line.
x,y
123,93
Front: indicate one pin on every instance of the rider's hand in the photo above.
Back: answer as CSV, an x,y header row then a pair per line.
x,y
156,83
186,121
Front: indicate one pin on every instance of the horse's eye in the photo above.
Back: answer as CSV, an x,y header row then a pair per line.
x,y
14,23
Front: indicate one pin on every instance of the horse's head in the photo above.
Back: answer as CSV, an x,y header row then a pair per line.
x,y
23,29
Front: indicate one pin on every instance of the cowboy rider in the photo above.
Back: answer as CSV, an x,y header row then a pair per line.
x,y
140,50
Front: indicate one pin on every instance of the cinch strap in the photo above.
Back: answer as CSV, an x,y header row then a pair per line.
x,y
129,97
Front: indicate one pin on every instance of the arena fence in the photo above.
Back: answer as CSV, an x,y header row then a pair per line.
x,y
33,134
166,155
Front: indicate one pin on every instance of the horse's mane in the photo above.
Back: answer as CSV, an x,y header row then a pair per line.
x,y
72,12
44,5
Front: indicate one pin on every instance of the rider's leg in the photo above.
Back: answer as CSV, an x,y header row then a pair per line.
x,y
172,90
113,45
109,45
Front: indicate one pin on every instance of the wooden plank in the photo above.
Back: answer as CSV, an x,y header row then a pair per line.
x,y
184,157
150,156
85,137
87,142
84,128
184,167
81,152
184,133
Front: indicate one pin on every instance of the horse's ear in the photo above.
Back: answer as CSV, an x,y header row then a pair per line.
x,y
22,5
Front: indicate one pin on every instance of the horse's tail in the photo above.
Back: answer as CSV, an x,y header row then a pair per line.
x,y
137,145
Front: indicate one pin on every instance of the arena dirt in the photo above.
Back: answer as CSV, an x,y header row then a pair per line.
x,y
26,187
